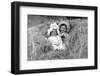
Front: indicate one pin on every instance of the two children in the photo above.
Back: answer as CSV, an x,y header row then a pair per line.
x,y
57,35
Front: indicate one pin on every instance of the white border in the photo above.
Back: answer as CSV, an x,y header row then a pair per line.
x,y
26,65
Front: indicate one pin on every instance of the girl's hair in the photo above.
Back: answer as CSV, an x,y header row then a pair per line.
x,y
52,31
61,26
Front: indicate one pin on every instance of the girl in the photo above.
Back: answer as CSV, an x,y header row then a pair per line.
x,y
64,29
54,38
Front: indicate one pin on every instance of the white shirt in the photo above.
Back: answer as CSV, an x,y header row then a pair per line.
x,y
56,42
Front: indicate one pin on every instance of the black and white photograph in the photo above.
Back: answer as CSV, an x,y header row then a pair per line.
x,y
57,37
53,37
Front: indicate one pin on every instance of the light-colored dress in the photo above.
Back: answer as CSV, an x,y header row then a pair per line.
x,y
56,42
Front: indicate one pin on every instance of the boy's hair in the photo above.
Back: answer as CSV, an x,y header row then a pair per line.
x,y
54,30
61,26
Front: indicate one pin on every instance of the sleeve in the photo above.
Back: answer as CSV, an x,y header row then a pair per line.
x,y
59,40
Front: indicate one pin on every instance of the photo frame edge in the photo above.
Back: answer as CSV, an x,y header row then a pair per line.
x,y
15,34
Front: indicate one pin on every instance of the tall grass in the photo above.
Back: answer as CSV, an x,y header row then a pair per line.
x,y
39,48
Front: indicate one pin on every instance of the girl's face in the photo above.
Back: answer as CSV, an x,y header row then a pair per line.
x,y
63,28
53,33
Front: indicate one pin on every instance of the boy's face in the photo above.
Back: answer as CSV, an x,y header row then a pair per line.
x,y
63,28
54,33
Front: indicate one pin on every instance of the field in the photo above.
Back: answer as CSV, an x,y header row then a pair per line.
x,y
39,48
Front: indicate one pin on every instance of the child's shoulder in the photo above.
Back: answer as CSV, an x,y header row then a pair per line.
x,y
51,37
58,36
54,36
